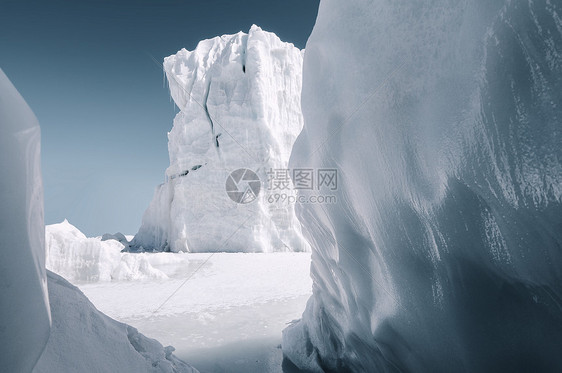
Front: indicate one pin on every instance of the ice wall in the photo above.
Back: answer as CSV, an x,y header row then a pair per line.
x,y
239,101
443,253
24,309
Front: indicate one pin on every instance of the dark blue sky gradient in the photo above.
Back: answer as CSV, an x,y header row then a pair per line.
x,y
86,70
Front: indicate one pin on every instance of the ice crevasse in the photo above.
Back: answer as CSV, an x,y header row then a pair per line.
x,y
444,250
239,101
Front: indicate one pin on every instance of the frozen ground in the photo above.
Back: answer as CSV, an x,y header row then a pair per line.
x,y
227,317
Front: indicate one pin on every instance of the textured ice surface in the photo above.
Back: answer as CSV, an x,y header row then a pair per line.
x,y
239,101
85,340
91,259
443,252
24,306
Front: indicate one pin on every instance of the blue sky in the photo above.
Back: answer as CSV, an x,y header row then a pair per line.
x,y
86,69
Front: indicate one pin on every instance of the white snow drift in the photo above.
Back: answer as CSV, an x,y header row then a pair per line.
x,y
239,101
85,340
443,252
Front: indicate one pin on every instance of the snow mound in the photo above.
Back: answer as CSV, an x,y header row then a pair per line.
x,y
239,101
444,251
24,306
81,259
85,340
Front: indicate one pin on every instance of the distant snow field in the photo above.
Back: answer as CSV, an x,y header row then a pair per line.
x,y
221,311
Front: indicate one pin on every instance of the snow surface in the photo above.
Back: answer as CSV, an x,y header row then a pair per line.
x,y
239,101
443,252
24,308
227,317
85,340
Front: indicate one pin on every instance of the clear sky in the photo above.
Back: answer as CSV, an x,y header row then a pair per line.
x,y
86,69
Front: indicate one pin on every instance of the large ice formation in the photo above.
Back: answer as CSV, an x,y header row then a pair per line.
x,y
239,101
443,252
91,259
85,340
24,308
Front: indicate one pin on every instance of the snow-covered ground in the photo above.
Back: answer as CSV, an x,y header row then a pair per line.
x,y
221,311
229,314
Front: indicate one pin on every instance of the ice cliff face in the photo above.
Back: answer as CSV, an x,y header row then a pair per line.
x,y
444,251
239,101
24,309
